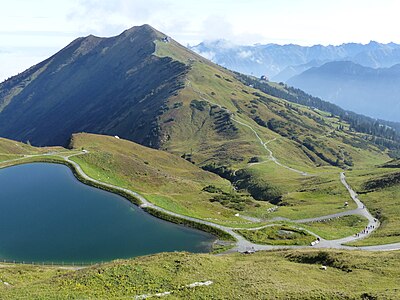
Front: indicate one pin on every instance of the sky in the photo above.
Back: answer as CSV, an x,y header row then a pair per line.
x,y
32,30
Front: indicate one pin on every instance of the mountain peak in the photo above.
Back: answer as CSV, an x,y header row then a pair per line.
x,y
104,84
142,29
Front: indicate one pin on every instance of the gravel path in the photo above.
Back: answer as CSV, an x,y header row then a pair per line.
x,y
242,244
264,144
271,155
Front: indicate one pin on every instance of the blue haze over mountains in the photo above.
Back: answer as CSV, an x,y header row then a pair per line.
x,y
361,78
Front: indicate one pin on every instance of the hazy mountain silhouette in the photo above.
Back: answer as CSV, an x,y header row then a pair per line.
x,y
281,62
373,92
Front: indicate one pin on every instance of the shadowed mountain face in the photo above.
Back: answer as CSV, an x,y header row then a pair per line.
x,y
112,86
373,92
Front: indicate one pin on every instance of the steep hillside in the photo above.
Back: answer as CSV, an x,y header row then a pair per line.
x,y
393,164
145,87
373,92
260,142
104,85
209,111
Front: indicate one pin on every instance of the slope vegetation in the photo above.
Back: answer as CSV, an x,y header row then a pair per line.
x,y
261,143
264,275
380,190
164,179
12,150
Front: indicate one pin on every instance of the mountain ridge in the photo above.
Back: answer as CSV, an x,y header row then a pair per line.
x,y
64,82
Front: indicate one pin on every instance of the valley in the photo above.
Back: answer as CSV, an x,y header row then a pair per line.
x,y
46,282
195,144
92,167
285,168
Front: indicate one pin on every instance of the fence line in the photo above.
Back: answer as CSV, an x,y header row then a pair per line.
x,y
50,263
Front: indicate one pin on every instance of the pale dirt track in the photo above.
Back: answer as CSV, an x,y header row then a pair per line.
x,y
242,244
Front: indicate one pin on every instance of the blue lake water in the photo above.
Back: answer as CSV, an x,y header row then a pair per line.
x,y
47,215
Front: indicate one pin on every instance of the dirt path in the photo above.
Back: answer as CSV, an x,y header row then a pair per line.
x,y
263,144
242,244
271,155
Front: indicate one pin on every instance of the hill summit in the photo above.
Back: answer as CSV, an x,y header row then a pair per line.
x,y
113,86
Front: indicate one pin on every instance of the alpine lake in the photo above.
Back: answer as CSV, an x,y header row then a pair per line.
x,y
48,216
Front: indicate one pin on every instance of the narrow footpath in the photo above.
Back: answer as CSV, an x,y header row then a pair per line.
x,y
263,144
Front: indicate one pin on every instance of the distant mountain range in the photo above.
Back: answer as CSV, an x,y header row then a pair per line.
x,y
281,62
362,78
373,92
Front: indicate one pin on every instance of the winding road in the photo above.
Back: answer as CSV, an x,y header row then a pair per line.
x,y
242,244
361,209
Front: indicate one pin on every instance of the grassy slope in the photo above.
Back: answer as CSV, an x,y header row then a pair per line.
x,y
193,131
304,196
165,179
219,86
264,275
10,150
337,228
278,235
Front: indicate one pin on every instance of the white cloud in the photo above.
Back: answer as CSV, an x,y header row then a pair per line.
x,y
112,17
245,54
208,54
217,27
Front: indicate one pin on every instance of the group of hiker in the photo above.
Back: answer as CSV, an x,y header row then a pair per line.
x,y
366,230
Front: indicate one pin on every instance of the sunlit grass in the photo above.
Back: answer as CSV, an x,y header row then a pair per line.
x,y
268,275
